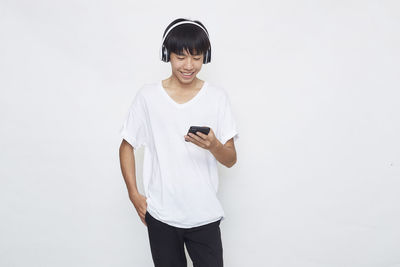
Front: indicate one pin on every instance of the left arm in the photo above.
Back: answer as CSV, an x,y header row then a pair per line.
x,y
225,154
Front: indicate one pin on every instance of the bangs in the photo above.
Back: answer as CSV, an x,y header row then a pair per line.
x,y
187,37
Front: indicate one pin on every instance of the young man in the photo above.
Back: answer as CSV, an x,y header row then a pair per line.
x,y
180,177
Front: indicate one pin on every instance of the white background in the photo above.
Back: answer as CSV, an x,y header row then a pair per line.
x,y
314,87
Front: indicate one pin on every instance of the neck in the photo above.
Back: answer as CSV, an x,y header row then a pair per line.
x,y
173,81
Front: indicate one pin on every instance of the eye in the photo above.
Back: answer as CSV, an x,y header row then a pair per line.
x,y
180,58
197,58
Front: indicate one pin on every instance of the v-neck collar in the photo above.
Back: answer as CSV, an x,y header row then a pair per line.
x,y
187,103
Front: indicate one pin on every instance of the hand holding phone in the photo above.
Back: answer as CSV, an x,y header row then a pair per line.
x,y
203,129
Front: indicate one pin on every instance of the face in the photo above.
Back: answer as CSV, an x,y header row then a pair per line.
x,y
185,67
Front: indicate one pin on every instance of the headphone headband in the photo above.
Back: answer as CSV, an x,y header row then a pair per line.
x,y
182,22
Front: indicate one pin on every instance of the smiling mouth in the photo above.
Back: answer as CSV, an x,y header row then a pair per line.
x,y
187,74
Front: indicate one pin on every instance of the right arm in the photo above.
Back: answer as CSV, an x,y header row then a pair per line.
x,y
127,162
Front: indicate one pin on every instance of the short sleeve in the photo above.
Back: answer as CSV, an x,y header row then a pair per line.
x,y
226,121
134,129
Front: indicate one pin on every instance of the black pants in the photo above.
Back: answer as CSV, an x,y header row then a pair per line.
x,y
203,244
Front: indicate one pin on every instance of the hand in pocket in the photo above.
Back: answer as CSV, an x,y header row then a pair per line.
x,y
140,203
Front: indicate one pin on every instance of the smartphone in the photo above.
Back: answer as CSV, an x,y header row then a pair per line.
x,y
193,129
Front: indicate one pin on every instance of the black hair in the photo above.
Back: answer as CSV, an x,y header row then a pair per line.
x,y
187,36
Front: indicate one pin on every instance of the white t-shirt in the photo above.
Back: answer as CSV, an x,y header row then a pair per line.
x,y
180,178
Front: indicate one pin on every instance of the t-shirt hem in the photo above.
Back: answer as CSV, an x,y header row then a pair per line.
x,y
185,226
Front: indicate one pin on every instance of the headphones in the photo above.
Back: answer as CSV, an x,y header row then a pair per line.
x,y
164,53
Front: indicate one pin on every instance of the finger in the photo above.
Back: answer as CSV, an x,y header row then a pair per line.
x,y
194,140
204,136
142,214
195,137
144,221
198,143
187,138
190,139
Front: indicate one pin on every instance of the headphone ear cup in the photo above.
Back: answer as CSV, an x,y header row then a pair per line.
x,y
166,55
207,57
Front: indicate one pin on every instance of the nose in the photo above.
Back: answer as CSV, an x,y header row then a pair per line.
x,y
188,64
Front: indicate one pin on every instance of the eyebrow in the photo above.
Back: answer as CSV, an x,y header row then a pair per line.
x,y
185,55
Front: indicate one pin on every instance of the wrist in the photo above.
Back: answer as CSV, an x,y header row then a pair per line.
x,y
217,147
133,193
